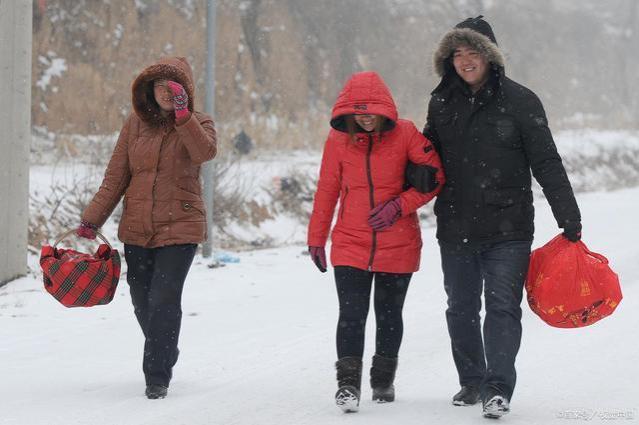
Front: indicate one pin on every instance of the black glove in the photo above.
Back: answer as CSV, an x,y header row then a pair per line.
x,y
421,177
572,231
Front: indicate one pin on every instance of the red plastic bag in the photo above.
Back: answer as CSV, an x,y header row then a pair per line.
x,y
570,286
77,279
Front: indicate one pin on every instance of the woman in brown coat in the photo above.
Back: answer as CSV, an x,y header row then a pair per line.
x,y
156,167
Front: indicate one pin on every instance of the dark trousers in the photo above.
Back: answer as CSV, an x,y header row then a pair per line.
x,y
156,278
500,268
354,292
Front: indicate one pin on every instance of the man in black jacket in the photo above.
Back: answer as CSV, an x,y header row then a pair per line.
x,y
490,133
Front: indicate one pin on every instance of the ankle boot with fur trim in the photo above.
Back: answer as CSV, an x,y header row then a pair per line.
x,y
349,379
382,378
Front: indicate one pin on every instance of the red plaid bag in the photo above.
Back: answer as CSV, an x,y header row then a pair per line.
x,y
570,286
77,279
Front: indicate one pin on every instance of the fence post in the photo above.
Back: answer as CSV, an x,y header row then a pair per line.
x,y
207,169
15,135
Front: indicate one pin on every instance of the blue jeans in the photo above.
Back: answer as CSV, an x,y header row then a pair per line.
x,y
500,270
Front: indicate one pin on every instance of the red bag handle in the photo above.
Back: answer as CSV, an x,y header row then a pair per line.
x,y
599,257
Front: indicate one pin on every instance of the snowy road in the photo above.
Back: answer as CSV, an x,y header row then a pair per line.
x,y
258,348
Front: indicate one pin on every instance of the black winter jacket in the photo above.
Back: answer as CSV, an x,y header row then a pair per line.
x,y
488,143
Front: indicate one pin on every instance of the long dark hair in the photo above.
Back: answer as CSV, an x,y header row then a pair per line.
x,y
150,95
352,127
151,105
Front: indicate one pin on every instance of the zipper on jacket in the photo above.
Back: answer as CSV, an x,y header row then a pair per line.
x,y
467,148
341,215
155,179
371,198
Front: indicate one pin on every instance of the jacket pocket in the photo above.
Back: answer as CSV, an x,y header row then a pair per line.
x,y
444,119
189,211
189,206
502,132
445,201
189,187
131,220
504,198
446,128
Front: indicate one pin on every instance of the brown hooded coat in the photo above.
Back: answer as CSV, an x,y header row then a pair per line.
x,y
156,166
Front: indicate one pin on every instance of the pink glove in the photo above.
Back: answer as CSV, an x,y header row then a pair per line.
x,y
385,214
180,102
86,230
318,255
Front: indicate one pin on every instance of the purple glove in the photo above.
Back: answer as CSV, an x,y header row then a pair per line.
x,y
385,214
86,230
180,101
318,255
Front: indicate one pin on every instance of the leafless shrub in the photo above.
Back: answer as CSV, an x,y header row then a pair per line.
x,y
610,170
57,208
234,203
293,195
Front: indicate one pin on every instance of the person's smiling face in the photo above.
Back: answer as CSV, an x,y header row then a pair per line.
x,y
471,66
367,122
163,95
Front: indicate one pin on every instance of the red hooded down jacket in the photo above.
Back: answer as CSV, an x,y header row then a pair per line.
x,y
366,172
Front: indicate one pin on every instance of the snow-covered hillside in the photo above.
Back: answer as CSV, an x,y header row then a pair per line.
x,y
257,347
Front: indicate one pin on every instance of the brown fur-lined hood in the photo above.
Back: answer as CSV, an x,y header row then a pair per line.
x,y
169,68
465,36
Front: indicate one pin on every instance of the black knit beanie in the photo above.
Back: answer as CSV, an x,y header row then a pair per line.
x,y
479,25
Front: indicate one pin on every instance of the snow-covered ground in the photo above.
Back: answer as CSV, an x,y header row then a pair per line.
x,y
257,347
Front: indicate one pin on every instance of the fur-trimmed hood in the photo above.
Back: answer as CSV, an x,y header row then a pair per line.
x,y
170,68
465,36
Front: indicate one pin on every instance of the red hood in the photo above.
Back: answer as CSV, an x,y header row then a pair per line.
x,y
364,93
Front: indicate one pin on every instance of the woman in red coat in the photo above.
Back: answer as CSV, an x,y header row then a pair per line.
x,y
377,234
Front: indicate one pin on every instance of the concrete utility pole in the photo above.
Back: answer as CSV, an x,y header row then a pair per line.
x,y
15,135
207,172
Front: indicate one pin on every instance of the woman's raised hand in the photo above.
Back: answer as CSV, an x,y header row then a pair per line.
x,y
180,101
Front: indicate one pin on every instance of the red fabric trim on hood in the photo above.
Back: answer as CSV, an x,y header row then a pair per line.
x,y
364,93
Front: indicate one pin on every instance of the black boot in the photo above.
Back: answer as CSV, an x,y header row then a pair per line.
x,y
382,377
349,380
467,396
155,391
